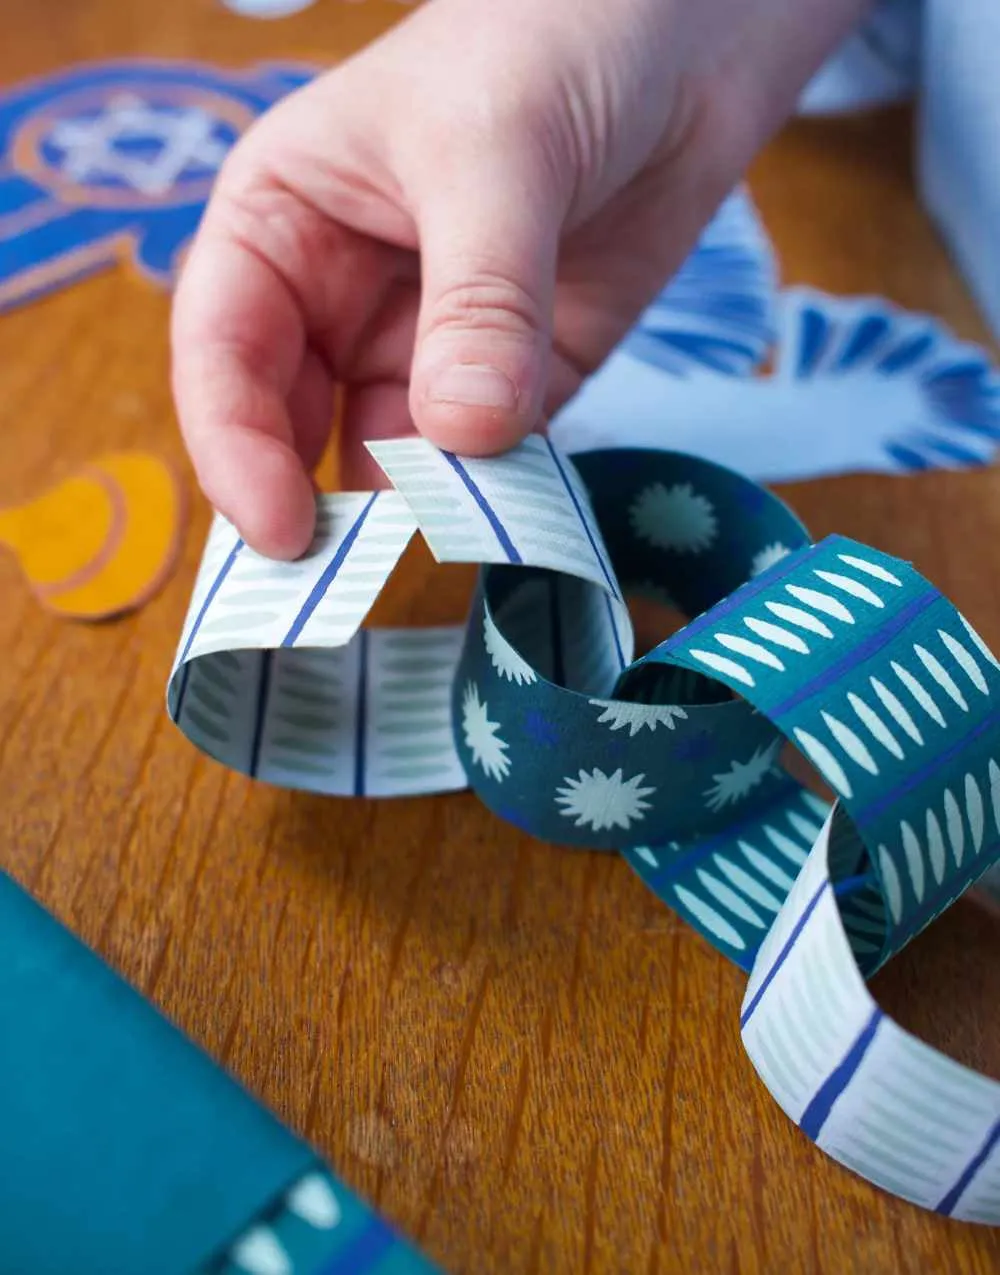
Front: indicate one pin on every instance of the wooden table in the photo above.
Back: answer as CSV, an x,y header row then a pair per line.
x,y
519,1055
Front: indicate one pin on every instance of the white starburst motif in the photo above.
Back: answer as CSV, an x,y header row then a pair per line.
x,y
504,658
767,557
177,138
481,735
677,518
618,715
742,777
603,801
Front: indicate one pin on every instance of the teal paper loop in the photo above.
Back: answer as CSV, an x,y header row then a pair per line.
x,y
583,764
887,690
673,758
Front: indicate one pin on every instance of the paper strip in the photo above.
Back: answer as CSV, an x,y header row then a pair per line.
x,y
673,759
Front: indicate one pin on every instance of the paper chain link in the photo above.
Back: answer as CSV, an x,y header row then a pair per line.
x,y
674,759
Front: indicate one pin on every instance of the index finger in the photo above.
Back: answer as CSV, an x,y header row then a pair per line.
x,y
238,340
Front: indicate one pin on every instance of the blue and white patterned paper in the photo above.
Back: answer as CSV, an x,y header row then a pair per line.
x,y
717,313
114,161
858,384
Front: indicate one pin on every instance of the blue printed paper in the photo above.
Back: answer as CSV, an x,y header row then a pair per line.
x,y
857,384
115,161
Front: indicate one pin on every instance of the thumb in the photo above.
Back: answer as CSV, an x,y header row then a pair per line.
x,y
489,243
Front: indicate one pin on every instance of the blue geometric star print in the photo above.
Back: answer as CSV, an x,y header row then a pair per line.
x,y
115,161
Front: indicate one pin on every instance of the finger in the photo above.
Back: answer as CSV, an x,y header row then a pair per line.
x,y
489,233
268,274
238,344
311,408
371,412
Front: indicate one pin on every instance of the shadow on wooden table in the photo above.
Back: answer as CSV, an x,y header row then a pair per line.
x,y
945,987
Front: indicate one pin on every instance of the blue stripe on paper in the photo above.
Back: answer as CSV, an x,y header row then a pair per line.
x,y
614,633
181,691
224,570
814,334
783,955
328,576
952,450
739,599
586,526
858,653
865,338
906,355
950,1201
488,512
361,716
681,863
908,459
363,1252
817,1113
916,778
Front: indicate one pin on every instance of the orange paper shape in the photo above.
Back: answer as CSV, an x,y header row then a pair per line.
x,y
101,542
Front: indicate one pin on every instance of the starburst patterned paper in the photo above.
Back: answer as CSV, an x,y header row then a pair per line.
x,y
675,518
742,777
504,658
482,737
619,715
601,801
767,557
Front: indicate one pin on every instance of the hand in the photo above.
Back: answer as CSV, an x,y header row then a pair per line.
x,y
458,224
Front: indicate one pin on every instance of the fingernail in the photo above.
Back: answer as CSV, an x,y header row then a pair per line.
x,y
474,385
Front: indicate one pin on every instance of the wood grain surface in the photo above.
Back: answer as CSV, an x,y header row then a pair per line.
x,y
515,1052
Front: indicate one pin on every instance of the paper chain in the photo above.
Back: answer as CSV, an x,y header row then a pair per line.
x,y
673,759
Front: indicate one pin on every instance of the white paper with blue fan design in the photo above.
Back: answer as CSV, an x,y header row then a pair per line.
x,y
717,314
858,384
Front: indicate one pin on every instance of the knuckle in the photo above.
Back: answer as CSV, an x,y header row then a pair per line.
x,y
262,218
268,220
488,299
506,122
